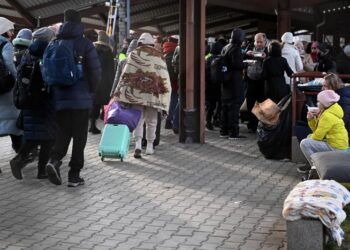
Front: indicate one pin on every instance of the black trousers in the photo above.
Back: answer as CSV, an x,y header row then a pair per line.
x,y
213,101
71,124
230,108
255,92
45,150
95,111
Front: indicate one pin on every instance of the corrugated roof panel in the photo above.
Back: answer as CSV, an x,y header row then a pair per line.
x,y
58,8
93,21
3,2
9,13
158,12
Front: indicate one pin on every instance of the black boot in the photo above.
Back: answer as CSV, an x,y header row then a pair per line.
x,y
93,129
42,174
74,178
209,125
16,167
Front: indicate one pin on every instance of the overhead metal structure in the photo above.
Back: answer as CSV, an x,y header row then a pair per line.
x,y
162,16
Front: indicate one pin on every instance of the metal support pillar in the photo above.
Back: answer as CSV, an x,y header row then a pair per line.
x,y
283,17
122,12
192,77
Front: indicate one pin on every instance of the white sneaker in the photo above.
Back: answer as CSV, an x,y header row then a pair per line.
x,y
149,150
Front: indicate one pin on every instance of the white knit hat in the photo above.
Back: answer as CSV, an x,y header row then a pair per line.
x,y
5,25
146,38
287,37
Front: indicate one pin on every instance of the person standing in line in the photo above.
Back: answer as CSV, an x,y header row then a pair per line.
x,y
274,68
168,51
255,83
38,121
145,84
21,44
291,54
232,87
8,112
104,51
72,104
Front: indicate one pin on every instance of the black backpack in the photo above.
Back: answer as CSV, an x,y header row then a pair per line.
x,y
217,69
7,80
29,88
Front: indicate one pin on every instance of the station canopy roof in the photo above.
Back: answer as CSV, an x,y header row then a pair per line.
x,y
161,16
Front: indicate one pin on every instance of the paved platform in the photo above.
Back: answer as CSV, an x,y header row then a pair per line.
x,y
220,195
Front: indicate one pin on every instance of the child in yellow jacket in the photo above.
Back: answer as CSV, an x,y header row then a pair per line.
x,y
327,125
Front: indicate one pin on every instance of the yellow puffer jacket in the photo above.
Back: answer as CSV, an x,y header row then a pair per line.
x,y
329,126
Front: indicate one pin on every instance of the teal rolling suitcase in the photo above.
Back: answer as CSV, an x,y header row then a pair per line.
x,y
115,142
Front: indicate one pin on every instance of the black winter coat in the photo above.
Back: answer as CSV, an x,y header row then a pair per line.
x,y
79,95
39,122
326,63
344,102
232,87
273,73
343,65
103,89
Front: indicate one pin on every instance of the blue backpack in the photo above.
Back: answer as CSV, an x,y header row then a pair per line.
x,y
61,66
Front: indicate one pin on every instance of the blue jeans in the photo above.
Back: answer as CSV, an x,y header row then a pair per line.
x,y
309,147
174,99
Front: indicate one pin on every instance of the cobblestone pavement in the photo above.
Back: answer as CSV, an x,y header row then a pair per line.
x,y
220,195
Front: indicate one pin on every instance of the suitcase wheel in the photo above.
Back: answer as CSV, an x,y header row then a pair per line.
x,y
121,159
102,158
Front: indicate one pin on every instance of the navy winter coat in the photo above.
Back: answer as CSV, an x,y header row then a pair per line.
x,y
344,102
39,122
79,95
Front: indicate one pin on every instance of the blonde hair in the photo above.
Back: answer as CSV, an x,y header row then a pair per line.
x,y
333,81
262,35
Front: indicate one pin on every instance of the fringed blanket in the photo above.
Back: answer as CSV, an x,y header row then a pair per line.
x,y
145,79
319,199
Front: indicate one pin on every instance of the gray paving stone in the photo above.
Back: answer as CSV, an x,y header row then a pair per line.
x,y
220,195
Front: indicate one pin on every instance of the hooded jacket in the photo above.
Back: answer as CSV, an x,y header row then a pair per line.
x,y
293,58
107,64
79,95
8,111
39,121
232,87
344,102
168,51
329,126
121,64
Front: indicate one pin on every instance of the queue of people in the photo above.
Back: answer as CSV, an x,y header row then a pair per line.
x,y
235,70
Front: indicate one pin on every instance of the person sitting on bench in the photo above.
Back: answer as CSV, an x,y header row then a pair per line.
x,y
327,125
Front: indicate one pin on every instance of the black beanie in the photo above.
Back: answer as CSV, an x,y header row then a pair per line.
x,y
71,15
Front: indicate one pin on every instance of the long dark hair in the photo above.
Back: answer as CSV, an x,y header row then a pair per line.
x,y
275,49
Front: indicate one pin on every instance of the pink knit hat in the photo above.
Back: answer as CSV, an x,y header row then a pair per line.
x,y
327,97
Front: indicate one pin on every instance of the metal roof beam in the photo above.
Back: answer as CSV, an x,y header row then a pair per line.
x,y
46,4
23,12
155,21
93,10
17,20
5,7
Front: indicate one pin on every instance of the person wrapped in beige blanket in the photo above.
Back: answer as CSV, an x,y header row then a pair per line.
x,y
145,84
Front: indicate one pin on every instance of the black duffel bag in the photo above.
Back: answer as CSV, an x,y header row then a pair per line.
x,y
274,142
